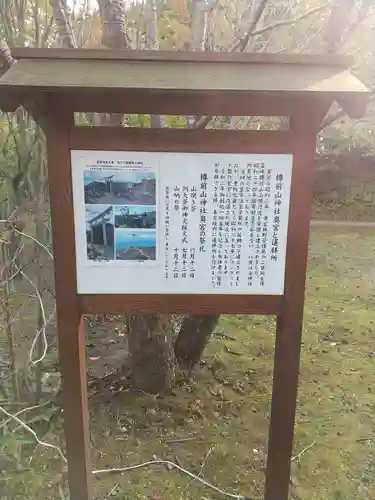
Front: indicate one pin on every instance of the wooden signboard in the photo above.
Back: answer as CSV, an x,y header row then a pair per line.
x,y
180,221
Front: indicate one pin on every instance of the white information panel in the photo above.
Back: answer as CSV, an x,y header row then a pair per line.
x,y
180,222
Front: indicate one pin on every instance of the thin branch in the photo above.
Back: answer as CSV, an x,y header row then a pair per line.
x,y
16,272
303,451
41,331
175,466
131,467
62,20
35,241
34,434
203,121
287,22
113,489
242,43
8,325
24,410
278,24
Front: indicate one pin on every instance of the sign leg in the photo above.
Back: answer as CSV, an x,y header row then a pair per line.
x,y
72,352
289,322
283,406
70,327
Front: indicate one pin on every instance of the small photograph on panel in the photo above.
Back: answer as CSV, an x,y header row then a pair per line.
x,y
135,245
119,187
100,231
135,217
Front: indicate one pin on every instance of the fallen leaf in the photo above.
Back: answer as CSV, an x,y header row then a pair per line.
x,y
155,496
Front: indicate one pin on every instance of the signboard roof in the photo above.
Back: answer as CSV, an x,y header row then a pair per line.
x,y
61,70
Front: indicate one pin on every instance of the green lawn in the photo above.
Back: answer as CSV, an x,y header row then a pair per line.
x,y
217,423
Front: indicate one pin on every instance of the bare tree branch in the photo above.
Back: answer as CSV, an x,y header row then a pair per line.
x,y
337,23
204,120
278,24
6,58
242,43
62,19
362,13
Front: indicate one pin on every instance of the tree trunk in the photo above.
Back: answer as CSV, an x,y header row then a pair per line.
x,y
194,335
151,353
150,337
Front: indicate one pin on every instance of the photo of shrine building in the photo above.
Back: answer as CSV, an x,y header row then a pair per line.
x,y
120,188
135,217
100,233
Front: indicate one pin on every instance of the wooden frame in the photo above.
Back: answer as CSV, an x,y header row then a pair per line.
x,y
288,308
54,107
174,140
70,329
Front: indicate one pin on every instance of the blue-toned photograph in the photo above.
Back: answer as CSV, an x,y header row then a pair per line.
x,y
135,217
115,187
100,232
135,245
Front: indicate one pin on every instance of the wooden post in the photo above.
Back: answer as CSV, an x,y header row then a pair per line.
x,y
69,318
289,322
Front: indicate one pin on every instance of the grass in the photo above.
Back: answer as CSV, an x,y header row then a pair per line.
x,y
217,423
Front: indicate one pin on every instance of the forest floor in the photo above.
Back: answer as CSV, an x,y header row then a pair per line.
x,y
352,209
216,424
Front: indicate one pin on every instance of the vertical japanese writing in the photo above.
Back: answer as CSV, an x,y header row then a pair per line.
x,y
240,205
176,269
237,205
221,225
251,189
193,199
215,228
248,181
214,245
225,219
167,231
267,194
259,219
249,228
203,214
185,213
184,262
177,198
182,202
278,200
192,263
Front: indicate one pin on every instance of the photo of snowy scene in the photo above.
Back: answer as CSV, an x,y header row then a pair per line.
x,y
135,245
119,187
135,217
99,232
